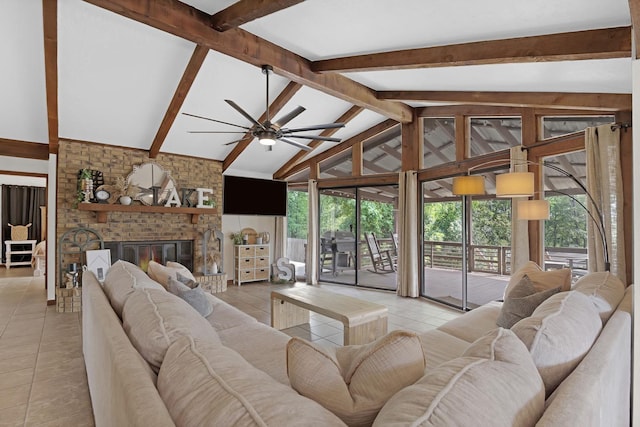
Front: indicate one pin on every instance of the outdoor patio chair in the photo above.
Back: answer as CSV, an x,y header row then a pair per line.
x,y
382,261
394,242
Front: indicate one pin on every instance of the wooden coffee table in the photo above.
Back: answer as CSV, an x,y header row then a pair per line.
x,y
363,321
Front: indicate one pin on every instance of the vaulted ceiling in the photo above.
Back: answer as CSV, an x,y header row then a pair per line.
x,y
121,72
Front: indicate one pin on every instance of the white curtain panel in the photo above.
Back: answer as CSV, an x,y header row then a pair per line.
x,y
280,243
519,229
408,253
604,183
311,267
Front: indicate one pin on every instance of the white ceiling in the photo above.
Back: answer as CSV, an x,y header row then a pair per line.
x,y
116,77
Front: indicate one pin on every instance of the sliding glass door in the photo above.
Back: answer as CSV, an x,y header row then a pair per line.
x,y
338,244
466,245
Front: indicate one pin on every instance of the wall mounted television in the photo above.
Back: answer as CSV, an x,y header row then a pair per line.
x,y
252,196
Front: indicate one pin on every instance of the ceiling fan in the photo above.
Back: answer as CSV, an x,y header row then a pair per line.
x,y
269,132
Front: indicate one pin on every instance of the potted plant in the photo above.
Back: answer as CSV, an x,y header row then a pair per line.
x,y
237,238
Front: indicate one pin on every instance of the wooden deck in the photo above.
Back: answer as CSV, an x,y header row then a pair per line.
x,y
441,284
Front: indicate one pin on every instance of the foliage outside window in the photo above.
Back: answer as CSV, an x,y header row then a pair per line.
x,y
297,214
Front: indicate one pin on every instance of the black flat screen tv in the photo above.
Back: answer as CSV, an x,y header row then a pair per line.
x,y
252,196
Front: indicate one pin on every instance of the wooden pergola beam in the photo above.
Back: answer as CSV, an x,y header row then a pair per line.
x,y
274,108
349,115
192,24
246,11
50,29
191,71
560,100
24,149
591,44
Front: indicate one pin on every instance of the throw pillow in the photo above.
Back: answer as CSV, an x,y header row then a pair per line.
x,y
494,383
521,301
204,384
121,280
355,381
605,291
559,334
161,273
192,293
541,279
153,319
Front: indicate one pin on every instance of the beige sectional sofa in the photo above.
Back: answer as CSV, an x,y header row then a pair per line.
x,y
153,360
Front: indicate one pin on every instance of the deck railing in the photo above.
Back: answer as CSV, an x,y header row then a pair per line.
x,y
448,255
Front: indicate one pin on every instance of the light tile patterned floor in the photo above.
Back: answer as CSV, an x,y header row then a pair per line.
x,y
42,376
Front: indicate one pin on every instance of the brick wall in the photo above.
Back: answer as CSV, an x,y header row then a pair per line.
x,y
188,172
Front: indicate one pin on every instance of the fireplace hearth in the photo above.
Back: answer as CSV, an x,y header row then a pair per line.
x,y
162,251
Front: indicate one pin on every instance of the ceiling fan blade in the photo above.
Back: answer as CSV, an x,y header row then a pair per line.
x,y
288,117
211,131
295,144
315,127
217,121
244,113
318,137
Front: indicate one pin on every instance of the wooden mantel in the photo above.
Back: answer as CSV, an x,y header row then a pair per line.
x,y
102,210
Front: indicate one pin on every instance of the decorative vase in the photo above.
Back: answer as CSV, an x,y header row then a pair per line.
x,y
125,200
214,268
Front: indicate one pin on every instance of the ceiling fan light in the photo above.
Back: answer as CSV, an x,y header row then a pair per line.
x,y
267,138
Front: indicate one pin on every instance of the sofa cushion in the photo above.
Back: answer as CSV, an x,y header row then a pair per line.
x,y
521,301
192,293
558,335
494,383
440,347
154,319
355,381
473,324
161,273
248,337
121,280
207,384
604,289
541,279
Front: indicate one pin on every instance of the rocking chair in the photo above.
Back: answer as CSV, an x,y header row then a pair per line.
x,y
382,260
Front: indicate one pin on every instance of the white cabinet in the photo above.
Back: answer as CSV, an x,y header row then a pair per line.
x,y
251,263
21,250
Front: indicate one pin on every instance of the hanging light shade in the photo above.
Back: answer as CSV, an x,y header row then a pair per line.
x,y
468,185
515,184
533,209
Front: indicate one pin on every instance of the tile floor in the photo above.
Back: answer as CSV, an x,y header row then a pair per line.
x,y
42,377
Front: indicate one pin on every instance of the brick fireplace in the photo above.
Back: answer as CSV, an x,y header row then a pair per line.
x,y
152,230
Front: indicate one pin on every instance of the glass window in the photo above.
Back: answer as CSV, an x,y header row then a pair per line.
x,y
488,135
297,224
558,126
338,166
565,232
383,153
439,139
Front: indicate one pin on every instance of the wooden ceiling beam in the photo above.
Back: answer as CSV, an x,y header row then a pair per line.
x,y
603,43
192,24
50,29
634,8
274,108
344,145
349,115
246,11
590,101
191,71
23,149
501,111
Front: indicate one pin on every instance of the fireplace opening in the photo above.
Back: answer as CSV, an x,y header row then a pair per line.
x,y
161,251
